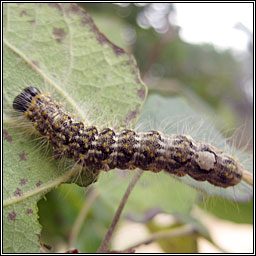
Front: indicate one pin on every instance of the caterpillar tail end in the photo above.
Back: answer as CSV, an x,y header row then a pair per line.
x,y
247,177
22,102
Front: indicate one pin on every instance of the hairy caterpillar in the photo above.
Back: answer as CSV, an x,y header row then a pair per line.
x,y
106,149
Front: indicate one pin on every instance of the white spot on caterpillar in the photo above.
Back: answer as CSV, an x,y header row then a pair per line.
x,y
205,160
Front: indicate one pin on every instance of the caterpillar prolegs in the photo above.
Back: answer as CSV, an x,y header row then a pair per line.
x,y
106,149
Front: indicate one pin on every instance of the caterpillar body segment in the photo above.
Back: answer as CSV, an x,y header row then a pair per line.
x,y
106,149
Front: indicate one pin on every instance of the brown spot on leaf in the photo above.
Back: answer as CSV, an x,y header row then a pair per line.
x,y
103,40
86,20
55,5
18,192
32,22
12,216
29,211
39,183
23,156
7,136
138,81
23,182
34,62
59,34
23,13
141,93
132,115
73,8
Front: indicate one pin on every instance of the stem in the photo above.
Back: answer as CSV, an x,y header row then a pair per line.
x,y
82,215
188,229
105,243
166,234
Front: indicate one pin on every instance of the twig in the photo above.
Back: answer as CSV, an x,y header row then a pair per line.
x,y
248,177
166,234
188,229
82,215
105,243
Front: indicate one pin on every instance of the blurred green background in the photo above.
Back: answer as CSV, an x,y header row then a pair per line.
x,y
214,81
222,79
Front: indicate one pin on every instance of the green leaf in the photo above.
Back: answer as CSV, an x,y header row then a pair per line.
x,y
228,210
56,48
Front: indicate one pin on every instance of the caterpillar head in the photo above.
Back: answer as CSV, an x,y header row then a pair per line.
x,y
229,171
22,102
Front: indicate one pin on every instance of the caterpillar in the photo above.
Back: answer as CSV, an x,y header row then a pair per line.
x,y
106,149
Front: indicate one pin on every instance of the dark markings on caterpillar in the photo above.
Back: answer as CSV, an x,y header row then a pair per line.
x,y
106,149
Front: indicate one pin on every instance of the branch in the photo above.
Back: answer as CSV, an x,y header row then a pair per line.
x,y
188,229
105,243
82,215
